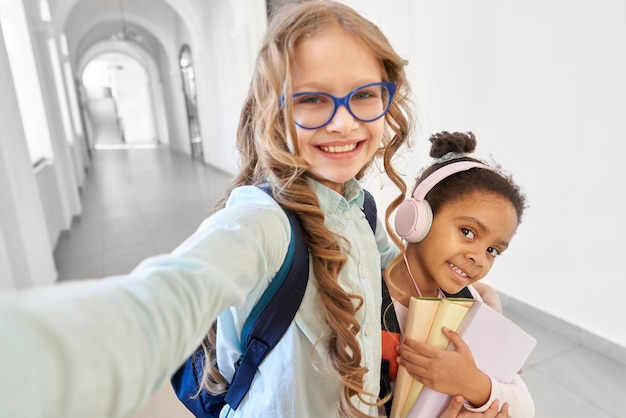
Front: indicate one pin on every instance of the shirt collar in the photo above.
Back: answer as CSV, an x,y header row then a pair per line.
x,y
352,194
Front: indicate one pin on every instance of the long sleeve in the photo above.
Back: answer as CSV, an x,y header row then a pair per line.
x,y
101,348
516,394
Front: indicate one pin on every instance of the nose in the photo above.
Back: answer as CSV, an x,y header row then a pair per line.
x,y
342,121
477,257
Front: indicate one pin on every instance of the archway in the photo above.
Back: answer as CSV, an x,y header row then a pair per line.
x,y
120,106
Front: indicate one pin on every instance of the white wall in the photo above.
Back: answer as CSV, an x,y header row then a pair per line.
x,y
223,65
25,250
50,197
64,160
542,86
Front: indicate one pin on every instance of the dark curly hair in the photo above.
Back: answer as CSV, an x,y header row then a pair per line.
x,y
462,183
451,148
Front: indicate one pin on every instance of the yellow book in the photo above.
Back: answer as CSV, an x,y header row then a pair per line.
x,y
421,314
449,313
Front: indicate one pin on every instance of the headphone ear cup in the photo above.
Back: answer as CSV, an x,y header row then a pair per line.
x,y
413,220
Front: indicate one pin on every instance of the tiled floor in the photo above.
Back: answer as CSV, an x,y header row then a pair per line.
x,y
141,202
136,203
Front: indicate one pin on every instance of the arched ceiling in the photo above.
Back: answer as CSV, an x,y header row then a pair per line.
x,y
157,22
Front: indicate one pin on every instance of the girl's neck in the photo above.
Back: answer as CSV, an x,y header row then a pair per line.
x,y
421,289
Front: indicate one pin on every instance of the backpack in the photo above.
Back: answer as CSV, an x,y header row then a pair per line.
x,y
263,329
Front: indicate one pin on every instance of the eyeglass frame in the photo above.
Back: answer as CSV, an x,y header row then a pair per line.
x,y
345,101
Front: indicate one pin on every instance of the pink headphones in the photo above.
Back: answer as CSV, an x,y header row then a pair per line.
x,y
414,216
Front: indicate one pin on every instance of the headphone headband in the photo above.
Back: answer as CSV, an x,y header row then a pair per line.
x,y
433,179
414,216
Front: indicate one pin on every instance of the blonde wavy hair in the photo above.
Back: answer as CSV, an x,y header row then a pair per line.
x,y
264,132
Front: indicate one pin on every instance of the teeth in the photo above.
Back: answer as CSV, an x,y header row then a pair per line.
x,y
339,148
458,270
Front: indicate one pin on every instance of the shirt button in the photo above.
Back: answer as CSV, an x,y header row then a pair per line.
x,y
345,214
368,331
363,273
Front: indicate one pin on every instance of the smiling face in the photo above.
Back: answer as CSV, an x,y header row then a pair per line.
x,y
460,248
336,63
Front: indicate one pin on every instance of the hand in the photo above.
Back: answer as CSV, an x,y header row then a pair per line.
x,y
447,371
489,295
456,404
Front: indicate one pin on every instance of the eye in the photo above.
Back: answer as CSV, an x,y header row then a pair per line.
x,y
363,94
494,252
468,233
309,99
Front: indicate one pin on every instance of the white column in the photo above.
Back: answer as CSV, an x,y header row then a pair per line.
x,y
25,251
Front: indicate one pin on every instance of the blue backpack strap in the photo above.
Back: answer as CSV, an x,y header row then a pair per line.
x,y
369,207
266,325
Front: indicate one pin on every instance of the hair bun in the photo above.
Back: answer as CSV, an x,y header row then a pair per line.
x,y
456,142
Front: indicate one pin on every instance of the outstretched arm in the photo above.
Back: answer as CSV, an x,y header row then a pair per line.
x,y
101,348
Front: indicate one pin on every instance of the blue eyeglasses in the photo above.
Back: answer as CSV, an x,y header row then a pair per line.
x,y
312,110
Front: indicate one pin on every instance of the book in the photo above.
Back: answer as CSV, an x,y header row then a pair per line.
x,y
500,349
425,319
421,314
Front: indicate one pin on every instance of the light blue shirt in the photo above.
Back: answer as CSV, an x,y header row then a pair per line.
x,y
297,379
102,348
